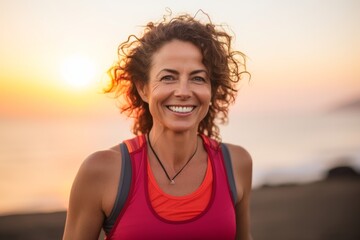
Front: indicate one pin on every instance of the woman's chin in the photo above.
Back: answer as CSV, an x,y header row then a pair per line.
x,y
179,128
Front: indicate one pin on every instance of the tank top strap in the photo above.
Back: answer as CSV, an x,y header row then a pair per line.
x,y
219,149
211,143
128,147
136,143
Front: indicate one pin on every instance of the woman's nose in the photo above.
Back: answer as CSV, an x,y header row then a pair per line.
x,y
183,89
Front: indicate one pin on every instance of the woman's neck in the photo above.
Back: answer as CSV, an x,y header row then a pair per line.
x,y
174,149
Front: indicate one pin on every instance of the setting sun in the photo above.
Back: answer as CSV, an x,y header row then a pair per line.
x,y
78,72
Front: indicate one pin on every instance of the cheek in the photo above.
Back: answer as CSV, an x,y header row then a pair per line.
x,y
205,94
159,90
158,93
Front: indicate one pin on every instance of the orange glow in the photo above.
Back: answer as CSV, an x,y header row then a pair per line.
x,y
78,72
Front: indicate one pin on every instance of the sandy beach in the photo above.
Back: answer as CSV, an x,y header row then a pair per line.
x,y
324,210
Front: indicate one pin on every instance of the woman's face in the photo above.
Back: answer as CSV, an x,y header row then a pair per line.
x,y
179,89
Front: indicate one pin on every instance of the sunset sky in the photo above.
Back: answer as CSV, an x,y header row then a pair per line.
x,y
303,55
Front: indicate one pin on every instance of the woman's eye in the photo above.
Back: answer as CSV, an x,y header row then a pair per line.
x,y
167,78
199,79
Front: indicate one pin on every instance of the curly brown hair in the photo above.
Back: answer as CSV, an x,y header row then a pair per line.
x,y
224,65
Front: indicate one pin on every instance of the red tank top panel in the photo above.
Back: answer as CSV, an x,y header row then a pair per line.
x,y
138,220
179,208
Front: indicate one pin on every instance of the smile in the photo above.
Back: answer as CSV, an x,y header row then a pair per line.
x,y
181,109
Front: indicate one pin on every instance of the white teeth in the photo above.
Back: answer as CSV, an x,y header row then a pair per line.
x,y
181,109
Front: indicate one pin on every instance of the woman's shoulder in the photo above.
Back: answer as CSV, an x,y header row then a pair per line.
x,y
92,193
98,178
242,168
101,167
100,162
239,155
98,166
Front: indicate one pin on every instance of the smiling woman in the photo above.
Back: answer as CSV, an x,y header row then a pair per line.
x,y
78,72
177,80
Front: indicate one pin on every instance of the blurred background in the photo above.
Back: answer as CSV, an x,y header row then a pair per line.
x,y
298,116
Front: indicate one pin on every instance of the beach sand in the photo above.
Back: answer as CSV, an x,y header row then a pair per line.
x,y
323,210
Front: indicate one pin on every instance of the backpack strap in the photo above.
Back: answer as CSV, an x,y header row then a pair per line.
x,y
229,171
123,188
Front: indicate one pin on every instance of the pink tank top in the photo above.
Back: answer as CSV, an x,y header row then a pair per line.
x,y
138,220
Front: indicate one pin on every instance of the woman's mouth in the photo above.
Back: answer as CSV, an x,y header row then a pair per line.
x,y
181,109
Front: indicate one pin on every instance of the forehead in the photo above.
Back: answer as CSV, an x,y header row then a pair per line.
x,y
176,54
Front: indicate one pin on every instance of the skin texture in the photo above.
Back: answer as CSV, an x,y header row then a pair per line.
x,y
177,78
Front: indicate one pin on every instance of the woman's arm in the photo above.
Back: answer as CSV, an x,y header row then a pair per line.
x,y
92,195
242,167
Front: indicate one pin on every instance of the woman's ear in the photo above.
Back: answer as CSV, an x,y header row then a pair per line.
x,y
143,91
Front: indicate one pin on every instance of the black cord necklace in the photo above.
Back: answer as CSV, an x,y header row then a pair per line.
x,y
162,166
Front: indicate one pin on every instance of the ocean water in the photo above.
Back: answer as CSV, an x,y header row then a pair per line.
x,y
297,148
39,158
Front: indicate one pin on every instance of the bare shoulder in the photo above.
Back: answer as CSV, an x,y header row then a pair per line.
x,y
240,157
242,167
101,162
92,194
98,176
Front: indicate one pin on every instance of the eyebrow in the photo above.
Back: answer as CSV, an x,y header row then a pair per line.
x,y
177,73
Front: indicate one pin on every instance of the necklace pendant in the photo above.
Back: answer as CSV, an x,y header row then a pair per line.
x,y
172,182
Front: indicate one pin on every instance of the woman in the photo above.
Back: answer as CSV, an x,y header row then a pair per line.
x,y
175,80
